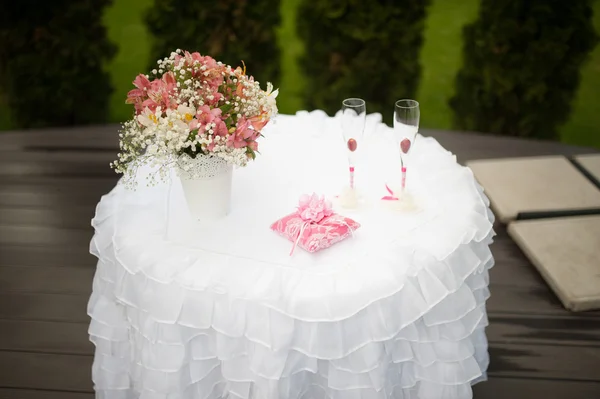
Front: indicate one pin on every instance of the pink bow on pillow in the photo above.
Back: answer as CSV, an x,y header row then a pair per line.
x,y
313,208
314,226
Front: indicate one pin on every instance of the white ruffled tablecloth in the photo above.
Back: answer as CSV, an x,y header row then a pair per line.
x,y
181,310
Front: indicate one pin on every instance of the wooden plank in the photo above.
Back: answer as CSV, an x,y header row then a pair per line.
x,y
544,361
53,196
11,393
504,300
470,146
43,371
44,307
524,300
517,361
67,183
44,236
64,256
45,337
62,307
73,163
78,217
567,330
25,168
101,136
40,279
65,157
511,266
465,144
520,388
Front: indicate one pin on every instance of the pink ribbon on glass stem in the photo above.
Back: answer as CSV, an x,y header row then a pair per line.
x,y
392,196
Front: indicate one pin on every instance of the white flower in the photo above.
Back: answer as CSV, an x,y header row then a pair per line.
x,y
147,118
187,113
271,98
181,126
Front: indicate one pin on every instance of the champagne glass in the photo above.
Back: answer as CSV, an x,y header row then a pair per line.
x,y
406,126
354,113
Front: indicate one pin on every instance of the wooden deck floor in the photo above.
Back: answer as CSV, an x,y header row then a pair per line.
x,y
50,182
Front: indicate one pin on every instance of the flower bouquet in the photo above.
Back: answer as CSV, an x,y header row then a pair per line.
x,y
202,117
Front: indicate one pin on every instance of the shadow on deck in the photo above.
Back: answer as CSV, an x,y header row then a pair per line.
x,y
50,182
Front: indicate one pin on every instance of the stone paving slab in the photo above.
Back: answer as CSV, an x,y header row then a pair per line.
x,y
566,252
534,184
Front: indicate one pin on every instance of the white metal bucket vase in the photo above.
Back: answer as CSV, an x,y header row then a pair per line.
x,y
206,182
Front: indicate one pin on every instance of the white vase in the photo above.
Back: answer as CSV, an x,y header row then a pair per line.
x,y
206,182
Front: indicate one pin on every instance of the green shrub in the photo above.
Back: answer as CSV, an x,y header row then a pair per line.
x,y
357,48
521,67
227,30
52,58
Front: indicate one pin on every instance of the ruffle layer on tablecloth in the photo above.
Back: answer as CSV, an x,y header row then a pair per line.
x,y
171,322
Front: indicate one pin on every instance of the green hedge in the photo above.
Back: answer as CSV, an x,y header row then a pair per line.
x,y
357,48
521,66
227,30
52,58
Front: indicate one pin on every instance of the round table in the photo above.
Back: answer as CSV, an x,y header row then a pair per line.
x,y
184,310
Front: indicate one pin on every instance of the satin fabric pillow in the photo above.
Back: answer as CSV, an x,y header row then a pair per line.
x,y
312,236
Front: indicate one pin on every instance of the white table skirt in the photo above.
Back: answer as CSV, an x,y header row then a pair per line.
x,y
181,310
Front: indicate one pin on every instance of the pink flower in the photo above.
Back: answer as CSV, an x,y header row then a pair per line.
x,y
221,128
189,59
242,134
212,72
214,78
253,145
259,121
139,94
206,60
142,83
216,97
313,208
169,81
206,115
239,91
151,94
